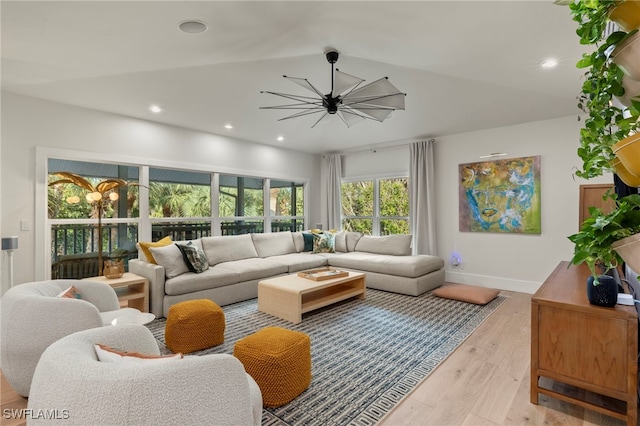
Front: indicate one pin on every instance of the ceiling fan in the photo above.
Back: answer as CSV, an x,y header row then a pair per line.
x,y
348,99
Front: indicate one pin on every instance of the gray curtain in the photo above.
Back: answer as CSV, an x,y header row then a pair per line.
x,y
331,181
422,198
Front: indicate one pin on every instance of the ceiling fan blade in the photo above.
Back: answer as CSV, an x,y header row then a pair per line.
x,y
348,117
393,101
376,114
377,91
303,82
303,113
320,119
344,82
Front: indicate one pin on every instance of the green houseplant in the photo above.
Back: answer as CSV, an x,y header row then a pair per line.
x,y
593,244
606,122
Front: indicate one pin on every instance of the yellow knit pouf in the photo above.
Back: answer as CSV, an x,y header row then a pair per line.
x,y
194,325
279,360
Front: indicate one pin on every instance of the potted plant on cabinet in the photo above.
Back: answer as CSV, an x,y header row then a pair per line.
x,y
602,235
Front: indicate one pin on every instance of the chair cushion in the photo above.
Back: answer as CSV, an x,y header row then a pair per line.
x,y
467,293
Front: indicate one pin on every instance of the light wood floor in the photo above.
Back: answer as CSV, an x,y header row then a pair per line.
x,y
484,382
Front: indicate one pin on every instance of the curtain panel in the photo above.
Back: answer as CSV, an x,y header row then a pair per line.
x,y
331,183
422,198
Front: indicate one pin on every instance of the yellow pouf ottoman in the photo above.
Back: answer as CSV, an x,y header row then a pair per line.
x,y
194,325
279,360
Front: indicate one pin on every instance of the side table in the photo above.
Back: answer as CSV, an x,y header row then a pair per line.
x,y
132,290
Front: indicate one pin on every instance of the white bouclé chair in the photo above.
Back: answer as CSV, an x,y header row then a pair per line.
x,y
195,390
32,318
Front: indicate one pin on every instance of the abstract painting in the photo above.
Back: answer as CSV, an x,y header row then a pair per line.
x,y
500,196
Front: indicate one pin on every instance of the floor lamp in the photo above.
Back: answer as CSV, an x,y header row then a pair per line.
x,y
9,244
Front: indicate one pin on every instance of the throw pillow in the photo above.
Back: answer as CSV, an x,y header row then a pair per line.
x,y
145,246
70,293
324,243
194,257
467,293
108,354
170,258
308,241
341,242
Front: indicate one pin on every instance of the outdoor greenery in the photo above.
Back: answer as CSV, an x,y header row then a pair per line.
x,y
59,208
358,206
179,200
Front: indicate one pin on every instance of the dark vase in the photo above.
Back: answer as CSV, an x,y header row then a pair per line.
x,y
604,294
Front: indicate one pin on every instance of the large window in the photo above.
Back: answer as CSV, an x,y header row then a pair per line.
x,y
241,205
286,206
74,218
182,204
179,204
376,206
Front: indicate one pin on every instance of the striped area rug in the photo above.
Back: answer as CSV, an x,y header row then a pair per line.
x,y
367,354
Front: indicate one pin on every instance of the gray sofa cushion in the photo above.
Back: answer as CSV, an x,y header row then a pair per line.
x,y
273,244
397,245
346,241
404,266
298,241
216,276
228,248
255,269
300,261
170,258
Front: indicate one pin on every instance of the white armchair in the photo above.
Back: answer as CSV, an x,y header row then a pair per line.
x,y
32,318
195,390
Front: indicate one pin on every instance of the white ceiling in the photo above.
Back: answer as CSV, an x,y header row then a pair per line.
x,y
465,65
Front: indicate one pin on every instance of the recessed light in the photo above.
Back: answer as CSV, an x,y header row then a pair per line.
x,y
280,138
156,109
549,63
192,26
228,126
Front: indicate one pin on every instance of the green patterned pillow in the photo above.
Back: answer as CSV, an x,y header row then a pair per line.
x,y
194,258
324,243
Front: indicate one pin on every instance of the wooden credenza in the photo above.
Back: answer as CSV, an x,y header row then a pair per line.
x,y
585,346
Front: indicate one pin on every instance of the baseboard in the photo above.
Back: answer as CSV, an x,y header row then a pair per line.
x,y
492,282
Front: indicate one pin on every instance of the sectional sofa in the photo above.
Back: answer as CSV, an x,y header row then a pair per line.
x,y
236,264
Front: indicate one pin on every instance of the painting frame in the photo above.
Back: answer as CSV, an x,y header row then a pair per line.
x,y
500,196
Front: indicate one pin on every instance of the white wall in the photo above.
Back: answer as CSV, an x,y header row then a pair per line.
x,y
31,127
506,261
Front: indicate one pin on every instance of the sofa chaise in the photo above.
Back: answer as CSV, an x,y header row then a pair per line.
x,y
236,264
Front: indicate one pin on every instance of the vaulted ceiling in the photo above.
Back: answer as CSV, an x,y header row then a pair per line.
x,y
464,65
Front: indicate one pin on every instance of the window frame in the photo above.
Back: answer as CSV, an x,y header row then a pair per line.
x,y
376,218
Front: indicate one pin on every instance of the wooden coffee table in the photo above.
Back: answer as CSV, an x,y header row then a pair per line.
x,y
288,297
